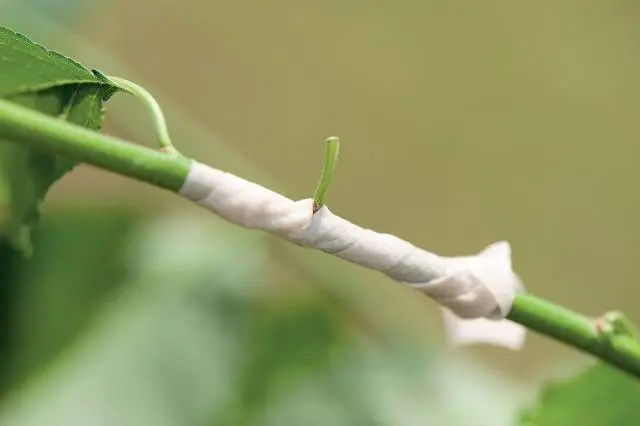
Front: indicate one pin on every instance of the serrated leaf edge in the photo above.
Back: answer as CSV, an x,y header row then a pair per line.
x,y
44,49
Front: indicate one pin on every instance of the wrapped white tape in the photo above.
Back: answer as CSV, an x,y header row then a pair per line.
x,y
244,203
478,290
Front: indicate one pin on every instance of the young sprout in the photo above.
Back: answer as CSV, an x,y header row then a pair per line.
x,y
332,148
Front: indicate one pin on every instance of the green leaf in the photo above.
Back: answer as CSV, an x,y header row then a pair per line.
x,y
52,84
602,395
28,67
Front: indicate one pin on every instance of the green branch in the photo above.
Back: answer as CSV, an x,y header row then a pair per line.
x,y
48,134
38,131
621,350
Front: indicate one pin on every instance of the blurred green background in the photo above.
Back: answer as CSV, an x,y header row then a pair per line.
x,y
462,123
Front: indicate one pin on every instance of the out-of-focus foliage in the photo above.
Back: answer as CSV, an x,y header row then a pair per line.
x,y
599,396
50,297
192,337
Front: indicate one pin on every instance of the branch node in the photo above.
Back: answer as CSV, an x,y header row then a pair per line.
x,y
615,324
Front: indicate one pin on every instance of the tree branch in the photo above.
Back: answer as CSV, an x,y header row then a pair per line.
x,y
44,133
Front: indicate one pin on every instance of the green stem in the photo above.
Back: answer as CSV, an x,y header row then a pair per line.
x,y
159,122
576,330
45,133
22,125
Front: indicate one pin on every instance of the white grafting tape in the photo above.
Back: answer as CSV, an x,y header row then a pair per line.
x,y
477,289
245,203
503,333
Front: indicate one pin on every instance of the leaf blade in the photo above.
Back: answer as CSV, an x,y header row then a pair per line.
x,y
29,67
601,395
52,84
